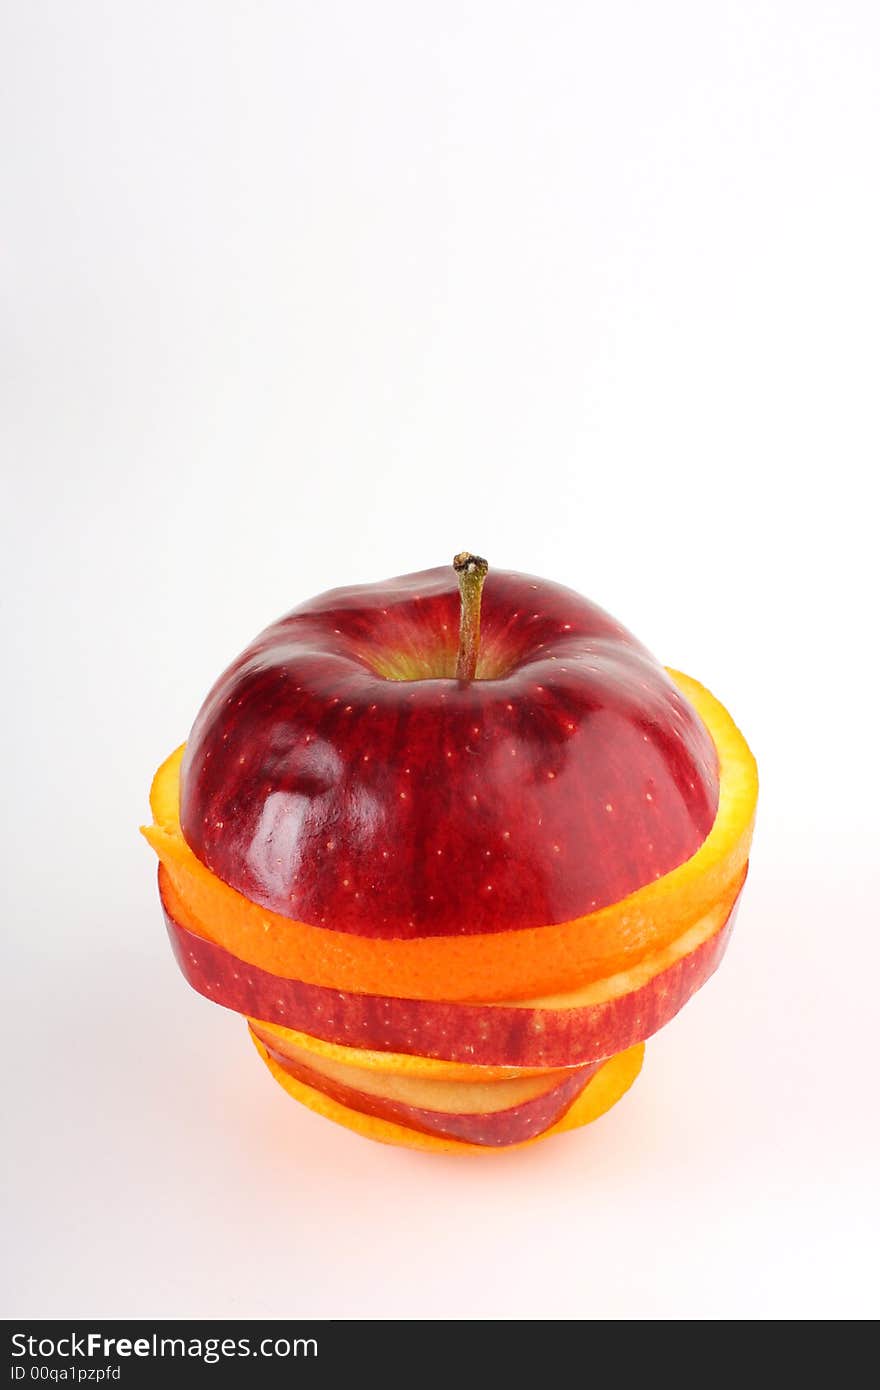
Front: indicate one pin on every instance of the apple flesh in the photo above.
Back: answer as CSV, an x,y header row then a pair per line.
x,y
495,1128
604,1089
469,1095
339,775
563,1031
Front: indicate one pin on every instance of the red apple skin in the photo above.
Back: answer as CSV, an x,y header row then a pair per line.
x,y
495,1129
481,1034
567,776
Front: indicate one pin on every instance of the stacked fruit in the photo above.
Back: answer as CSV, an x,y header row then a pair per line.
x,y
454,851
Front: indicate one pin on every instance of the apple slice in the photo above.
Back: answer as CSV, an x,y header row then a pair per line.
x,y
478,1115
603,1090
289,1040
500,965
584,1025
472,1095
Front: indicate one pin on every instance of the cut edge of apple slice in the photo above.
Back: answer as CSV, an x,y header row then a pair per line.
x,y
612,1080
402,1063
492,1128
473,1095
648,968
533,961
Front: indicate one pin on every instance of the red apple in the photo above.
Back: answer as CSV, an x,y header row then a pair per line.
x,y
339,774
492,1128
570,1030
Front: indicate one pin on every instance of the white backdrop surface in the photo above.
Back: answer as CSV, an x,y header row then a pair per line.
x,y
299,295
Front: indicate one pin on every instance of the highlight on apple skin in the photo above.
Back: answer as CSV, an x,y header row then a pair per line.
x,y
339,775
404,796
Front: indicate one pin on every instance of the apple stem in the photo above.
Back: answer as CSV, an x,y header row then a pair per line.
x,y
471,571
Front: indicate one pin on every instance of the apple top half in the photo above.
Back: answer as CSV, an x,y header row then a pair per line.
x,y
339,774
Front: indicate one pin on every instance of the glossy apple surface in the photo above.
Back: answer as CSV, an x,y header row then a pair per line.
x,y
574,1029
338,774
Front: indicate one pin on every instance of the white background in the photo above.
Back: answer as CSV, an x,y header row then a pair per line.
x,y
305,294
